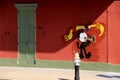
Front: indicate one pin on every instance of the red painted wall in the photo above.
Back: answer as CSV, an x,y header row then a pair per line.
x,y
54,19
8,30
114,32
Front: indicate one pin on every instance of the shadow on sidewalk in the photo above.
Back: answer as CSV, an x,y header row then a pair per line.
x,y
4,79
108,76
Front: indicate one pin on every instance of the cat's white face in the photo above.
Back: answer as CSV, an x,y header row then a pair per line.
x,y
83,37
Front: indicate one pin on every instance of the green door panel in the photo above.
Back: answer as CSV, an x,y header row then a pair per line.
x,y
22,54
31,35
31,13
31,51
22,18
22,35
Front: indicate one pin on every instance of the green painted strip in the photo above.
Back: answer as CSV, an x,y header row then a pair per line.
x,y
96,66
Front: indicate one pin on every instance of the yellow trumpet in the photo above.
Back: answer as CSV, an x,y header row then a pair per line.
x,y
98,26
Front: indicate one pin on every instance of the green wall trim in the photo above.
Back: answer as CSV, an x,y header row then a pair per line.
x,y
95,66
26,6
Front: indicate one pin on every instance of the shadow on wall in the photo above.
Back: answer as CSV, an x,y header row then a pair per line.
x,y
55,18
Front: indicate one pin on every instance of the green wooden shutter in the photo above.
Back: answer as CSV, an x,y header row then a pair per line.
x,y
26,32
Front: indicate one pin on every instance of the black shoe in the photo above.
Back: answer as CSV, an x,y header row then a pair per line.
x,y
88,55
81,56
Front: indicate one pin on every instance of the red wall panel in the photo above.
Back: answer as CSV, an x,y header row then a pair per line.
x,y
8,30
114,33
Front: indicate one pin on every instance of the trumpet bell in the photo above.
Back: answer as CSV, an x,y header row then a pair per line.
x,y
92,38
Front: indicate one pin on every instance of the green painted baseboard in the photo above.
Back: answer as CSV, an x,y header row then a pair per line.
x,y
97,66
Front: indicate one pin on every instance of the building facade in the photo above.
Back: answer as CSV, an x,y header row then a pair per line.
x,y
34,29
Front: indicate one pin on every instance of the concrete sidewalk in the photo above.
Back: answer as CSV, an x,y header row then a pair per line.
x,y
25,73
